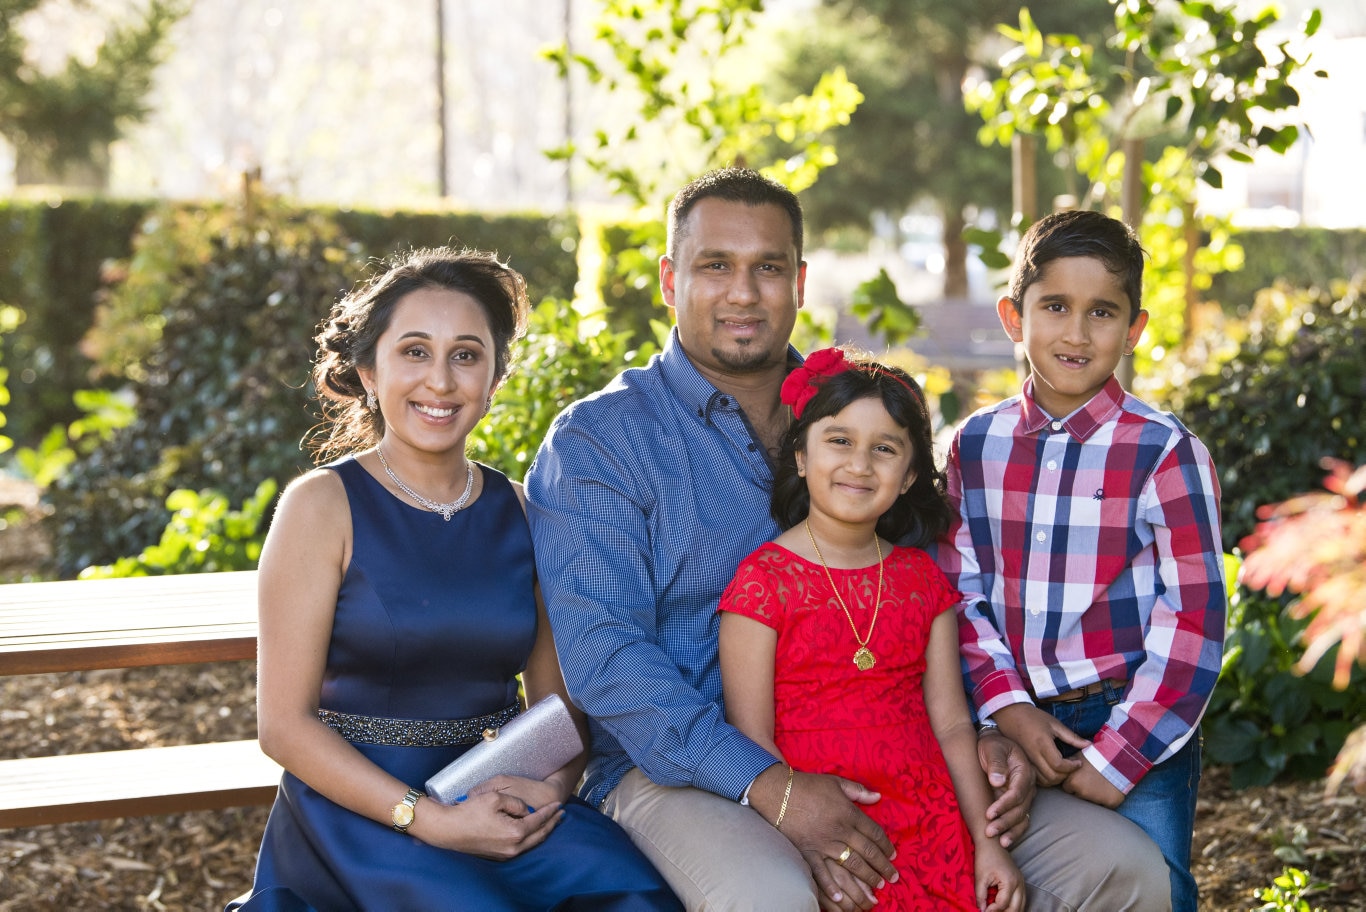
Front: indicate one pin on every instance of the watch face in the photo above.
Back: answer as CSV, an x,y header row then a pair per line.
x,y
403,815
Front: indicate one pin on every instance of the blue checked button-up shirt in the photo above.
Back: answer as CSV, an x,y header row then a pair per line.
x,y
643,500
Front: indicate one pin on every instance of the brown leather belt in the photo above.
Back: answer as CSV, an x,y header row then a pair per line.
x,y
1081,693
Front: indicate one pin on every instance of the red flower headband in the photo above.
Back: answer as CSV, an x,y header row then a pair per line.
x,y
820,365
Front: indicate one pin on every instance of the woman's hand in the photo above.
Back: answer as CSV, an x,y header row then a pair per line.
x,y
489,824
532,792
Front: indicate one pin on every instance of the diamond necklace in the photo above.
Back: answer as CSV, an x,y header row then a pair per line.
x,y
447,510
864,658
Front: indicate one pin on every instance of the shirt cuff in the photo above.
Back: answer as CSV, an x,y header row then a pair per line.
x,y
732,766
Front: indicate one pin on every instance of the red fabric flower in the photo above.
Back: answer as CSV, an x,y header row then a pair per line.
x,y
803,382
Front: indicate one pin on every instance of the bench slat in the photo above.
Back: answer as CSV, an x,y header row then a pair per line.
x,y
152,780
76,625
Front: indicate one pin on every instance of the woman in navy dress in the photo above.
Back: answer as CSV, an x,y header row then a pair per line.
x,y
398,605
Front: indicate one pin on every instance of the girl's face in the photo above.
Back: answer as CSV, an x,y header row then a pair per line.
x,y
434,369
856,463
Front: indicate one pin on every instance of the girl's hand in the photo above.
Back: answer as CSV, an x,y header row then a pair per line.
x,y
532,792
491,824
854,895
1000,886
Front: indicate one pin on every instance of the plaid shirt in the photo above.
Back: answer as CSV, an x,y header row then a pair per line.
x,y
1089,548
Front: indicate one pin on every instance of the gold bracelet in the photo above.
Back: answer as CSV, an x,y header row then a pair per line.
x,y
787,795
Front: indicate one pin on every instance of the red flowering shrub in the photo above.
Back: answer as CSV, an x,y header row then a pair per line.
x,y
1315,545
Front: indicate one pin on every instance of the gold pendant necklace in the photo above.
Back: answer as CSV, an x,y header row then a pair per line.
x,y
863,658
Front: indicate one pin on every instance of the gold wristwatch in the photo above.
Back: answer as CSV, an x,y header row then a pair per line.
x,y
404,812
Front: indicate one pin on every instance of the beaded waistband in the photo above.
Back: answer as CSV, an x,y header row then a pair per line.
x,y
415,732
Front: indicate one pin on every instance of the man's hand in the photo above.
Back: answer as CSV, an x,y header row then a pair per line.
x,y
1088,783
1011,778
822,820
1035,731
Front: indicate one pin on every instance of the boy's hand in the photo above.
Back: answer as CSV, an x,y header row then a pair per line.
x,y
1087,782
1035,731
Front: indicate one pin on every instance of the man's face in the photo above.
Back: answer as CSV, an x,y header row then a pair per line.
x,y
735,285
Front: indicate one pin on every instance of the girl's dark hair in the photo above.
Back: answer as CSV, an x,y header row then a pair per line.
x,y
916,518
348,336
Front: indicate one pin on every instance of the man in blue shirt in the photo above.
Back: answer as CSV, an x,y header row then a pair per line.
x,y
643,500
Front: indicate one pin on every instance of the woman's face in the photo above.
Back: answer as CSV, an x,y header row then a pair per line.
x,y
434,369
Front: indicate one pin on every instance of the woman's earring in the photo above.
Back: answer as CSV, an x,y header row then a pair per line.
x,y
370,401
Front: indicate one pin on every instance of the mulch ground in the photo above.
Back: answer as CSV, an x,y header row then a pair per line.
x,y
199,861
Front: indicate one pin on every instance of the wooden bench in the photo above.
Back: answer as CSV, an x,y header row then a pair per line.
x,y
123,623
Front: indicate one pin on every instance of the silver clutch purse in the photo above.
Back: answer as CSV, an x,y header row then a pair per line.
x,y
533,745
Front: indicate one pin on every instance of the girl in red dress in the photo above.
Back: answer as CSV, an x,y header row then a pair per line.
x,y
839,650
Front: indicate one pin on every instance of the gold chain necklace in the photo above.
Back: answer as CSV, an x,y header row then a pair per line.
x,y
864,658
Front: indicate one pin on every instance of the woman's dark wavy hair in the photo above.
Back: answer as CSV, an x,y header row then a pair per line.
x,y
916,518
348,336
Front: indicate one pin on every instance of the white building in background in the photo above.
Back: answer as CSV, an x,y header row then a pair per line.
x,y
1321,181
336,101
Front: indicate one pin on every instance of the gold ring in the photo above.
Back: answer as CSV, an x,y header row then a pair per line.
x,y
844,856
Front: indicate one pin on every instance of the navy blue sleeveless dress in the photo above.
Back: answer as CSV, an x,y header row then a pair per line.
x,y
434,619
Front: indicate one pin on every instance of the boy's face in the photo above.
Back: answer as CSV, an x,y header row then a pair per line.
x,y
1074,323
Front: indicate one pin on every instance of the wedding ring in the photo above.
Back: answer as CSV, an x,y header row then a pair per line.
x,y
844,856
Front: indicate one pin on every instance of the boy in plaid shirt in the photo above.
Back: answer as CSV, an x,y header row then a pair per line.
x,y
1087,547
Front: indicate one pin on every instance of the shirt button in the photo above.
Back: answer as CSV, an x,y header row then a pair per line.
x,y
1052,464
1041,536
753,447
725,402
1057,425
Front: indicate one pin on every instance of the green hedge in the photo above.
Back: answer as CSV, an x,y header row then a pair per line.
x,y
209,323
52,256
1295,257
55,257
1294,393
542,248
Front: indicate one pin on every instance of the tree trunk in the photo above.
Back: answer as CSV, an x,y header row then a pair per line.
x,y
955,257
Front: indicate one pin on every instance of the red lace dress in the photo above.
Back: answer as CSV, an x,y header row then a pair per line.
x,y
869,726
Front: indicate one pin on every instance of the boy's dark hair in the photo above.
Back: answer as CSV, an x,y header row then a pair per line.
x,y
1080,233
734,185
916,518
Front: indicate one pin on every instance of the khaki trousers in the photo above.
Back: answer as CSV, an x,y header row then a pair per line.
x,y
720,856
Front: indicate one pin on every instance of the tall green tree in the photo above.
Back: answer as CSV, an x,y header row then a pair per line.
x,y
911,140
680,104
1147,113
63,121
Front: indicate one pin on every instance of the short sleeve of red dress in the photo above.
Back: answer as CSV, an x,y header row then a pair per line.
x,y
759,588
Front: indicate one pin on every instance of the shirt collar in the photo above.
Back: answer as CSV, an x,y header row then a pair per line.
x,y
1083,422
692,389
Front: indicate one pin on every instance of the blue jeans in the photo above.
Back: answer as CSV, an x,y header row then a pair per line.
x,y
1163,802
